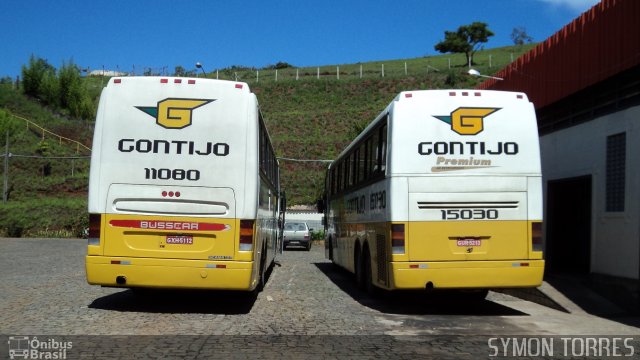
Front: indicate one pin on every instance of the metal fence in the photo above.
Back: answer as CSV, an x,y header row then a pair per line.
x,y
486,61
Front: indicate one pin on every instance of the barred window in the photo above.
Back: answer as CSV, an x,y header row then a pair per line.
x,y
616,171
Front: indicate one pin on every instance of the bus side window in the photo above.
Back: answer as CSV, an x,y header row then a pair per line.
x,y
367,159
361,163
339,178
355,159
347,172
383,149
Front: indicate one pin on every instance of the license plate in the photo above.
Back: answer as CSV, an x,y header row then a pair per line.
x,y
180,239
469,242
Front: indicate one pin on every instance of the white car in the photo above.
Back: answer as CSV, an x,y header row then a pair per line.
x,y
298,234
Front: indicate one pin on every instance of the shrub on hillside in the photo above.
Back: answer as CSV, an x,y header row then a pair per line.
x,y
64,89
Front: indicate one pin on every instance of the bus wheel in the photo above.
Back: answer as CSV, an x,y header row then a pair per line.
x,y
368,274
262,272
331,249
359,271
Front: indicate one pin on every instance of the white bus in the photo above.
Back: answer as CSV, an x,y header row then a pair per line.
x,y
184,186
441,191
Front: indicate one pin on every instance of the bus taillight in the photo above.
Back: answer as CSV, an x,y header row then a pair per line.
x,y
397,238
536,236
246,235
94,229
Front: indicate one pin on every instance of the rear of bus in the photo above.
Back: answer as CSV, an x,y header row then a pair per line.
x,y
173,192
467,193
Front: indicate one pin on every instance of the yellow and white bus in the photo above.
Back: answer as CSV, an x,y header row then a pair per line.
x,y
441,191
184,186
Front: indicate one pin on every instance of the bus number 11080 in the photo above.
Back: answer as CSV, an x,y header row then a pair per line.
x,y
169,174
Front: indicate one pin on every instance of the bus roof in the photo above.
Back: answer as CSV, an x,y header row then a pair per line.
x,y
426,96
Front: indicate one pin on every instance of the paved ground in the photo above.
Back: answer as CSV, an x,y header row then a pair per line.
x,y
309,309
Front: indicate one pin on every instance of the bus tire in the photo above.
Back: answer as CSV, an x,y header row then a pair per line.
x,y
371,289
331,249
262,272
359,270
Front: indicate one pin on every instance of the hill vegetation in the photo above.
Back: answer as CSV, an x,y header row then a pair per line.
x,y
311,118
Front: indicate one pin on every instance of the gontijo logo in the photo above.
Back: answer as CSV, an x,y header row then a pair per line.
x,y
172,113
466,120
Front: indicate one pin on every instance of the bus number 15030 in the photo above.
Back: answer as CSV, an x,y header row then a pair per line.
x,y
169,174
469,214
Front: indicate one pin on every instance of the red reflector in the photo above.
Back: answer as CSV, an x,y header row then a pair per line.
x,y
451,93
178,81
117,81
413,266
221,266
408,95
238,86
164,81
477,94
464,93
524,264
192,82
520,96
177,193
164,194
115,261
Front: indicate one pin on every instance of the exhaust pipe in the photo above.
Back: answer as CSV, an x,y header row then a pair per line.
x,y
429,286
121,280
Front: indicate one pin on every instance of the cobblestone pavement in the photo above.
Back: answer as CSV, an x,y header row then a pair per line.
x,y
308,309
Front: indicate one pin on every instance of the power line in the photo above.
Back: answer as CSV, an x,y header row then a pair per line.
x,y
304,160
44,157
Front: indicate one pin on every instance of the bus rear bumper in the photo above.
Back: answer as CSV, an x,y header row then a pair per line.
x,y
467,275
169,273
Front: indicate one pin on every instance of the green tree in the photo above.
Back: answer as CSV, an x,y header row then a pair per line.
x,y
519,36
7,125
467,39
70,85
179,71
33,74
49,89
74,95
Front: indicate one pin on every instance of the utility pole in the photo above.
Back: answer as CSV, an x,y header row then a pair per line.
x,y
5,185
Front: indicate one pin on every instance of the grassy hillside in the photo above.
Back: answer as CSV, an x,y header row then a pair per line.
x,y
317,119
308,118
47,197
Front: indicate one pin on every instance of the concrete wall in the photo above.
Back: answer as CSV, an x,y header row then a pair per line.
x,y
581,150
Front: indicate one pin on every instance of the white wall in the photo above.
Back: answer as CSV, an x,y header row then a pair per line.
x,y
582,150
313,220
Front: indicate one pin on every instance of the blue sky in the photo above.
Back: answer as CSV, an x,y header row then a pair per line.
x,y
119,34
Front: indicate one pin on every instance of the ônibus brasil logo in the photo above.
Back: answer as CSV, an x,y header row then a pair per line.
x,y
467,120
172,113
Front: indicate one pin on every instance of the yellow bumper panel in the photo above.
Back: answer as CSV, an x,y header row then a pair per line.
x,y
169,273
468,275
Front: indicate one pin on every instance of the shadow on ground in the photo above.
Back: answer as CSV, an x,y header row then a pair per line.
x,y
177,301
173,301
416,302
604,296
